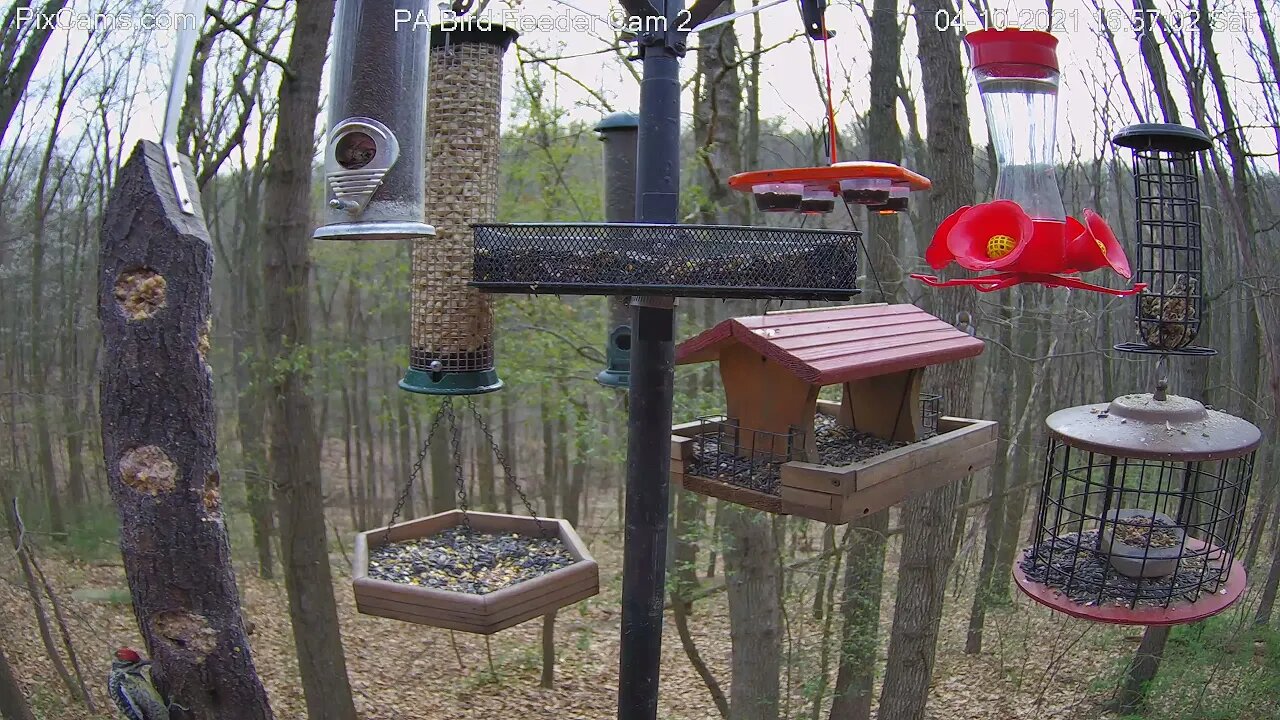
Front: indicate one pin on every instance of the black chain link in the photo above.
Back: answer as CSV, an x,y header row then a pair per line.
x,y
455,443
506,467
417,468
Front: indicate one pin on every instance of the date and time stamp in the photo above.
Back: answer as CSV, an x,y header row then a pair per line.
x,y
1114,20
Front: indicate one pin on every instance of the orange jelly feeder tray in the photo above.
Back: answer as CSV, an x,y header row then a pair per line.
x,y
883,186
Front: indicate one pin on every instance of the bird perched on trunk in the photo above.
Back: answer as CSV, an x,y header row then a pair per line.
x,y
132,691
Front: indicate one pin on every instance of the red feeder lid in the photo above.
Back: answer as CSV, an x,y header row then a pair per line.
x,y
1012,46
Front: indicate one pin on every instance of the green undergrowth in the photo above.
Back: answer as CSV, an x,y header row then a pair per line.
x,y
1223,668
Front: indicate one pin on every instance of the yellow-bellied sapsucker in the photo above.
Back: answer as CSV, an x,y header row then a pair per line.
x,y
132,691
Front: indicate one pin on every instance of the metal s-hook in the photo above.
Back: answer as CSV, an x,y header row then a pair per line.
x,y
1162,378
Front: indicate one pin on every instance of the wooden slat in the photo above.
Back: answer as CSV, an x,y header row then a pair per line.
x,y
547,600
476,605
797,496
916,455
514,616
848,479
733,494
928,477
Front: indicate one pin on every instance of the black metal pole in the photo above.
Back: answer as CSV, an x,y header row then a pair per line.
x,y
652,381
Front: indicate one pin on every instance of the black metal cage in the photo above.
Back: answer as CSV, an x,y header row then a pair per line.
x,y
725,450
1167,197
720,261
1142,504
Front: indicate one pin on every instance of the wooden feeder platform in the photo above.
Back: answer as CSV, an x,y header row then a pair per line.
x,y
773,366
483,614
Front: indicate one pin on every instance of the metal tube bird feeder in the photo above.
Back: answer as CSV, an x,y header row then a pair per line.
x,y
377,105
451,336
618,133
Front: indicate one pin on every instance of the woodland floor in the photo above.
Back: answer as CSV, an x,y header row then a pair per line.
x,y
1035,664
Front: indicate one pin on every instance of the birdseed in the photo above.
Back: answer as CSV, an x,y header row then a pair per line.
x,y
1071,564
837,446
1135,530
469,562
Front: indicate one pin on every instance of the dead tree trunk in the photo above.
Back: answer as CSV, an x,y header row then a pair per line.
x,y
159,443
295,449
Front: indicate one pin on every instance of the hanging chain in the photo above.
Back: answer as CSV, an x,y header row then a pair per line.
x,y
455,443
506,467
417,468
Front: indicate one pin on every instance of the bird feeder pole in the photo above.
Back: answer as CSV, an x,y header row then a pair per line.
x,y
652,373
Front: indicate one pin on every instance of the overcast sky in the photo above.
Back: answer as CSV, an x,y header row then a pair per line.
x,y
789,92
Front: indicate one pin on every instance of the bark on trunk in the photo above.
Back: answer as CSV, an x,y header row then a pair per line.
x,y
755,613
13,704
295,451
922,585
1141,670
159,444
860,609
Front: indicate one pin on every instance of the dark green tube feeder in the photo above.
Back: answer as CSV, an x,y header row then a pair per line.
x,y
451,335
619,132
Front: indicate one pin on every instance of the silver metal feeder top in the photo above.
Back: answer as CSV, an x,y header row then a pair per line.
x,y
1143,427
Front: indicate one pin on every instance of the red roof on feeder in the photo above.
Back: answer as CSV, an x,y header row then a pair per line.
x,y
828,346
1012,46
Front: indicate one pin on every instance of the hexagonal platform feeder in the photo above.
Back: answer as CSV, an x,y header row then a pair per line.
x,y
470,612
782,450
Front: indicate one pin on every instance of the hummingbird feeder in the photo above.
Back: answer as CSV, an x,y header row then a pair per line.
x,y
1024,234
374,154
1167,193
451,336
780,449
1141,511
618,134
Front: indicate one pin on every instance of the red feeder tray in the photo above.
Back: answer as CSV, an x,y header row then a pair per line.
x,y
1176,614
828,177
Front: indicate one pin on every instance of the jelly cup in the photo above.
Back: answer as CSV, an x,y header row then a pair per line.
x,y
866,191
778,197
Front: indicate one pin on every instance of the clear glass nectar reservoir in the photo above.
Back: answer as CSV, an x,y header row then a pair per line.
x,y
1017,76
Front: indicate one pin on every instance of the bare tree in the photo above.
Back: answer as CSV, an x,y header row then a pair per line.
x,y
294,448
21,44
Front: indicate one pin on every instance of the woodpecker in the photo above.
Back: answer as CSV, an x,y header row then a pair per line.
x,y
132,691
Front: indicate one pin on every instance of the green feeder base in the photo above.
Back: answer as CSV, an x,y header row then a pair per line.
x,y
614,379
473,382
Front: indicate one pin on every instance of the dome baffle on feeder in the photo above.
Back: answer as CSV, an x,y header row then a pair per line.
x,y
377,108
451,333
773,366
482,614
1170,459
618,133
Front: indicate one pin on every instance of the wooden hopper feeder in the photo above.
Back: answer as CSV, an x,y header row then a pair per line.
x,y
484,614
773,366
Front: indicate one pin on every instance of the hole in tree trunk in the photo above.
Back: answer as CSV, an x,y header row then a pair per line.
x,y
187,631
140,293
213,493
148,469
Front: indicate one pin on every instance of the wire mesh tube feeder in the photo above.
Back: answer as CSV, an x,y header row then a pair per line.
x,y
451,333
1140,512
465,570
780,449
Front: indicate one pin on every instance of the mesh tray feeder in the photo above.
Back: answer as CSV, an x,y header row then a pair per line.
x,y
715,261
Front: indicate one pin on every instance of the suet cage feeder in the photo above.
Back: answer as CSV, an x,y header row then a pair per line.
x,y
374,152
780,449
484,614
1141,511
1169,257
451,335
619,135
